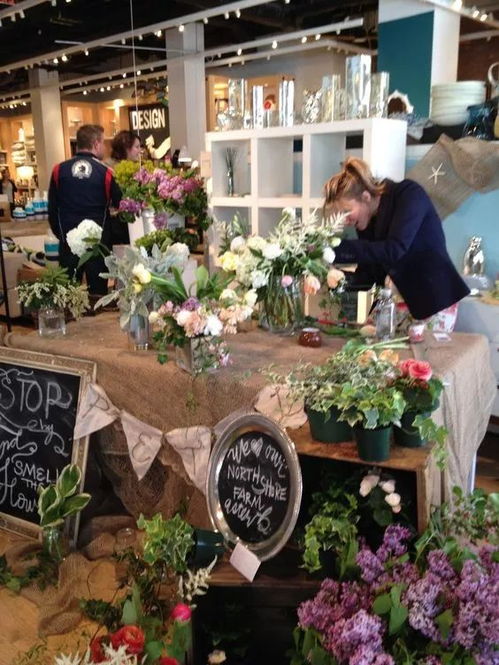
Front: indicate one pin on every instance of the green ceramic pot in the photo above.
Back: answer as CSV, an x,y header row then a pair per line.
x,y
208,545
408,435
373,445
330,430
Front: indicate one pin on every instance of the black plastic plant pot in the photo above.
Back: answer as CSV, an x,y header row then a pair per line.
x,y
408,436
373,445
208,545
328,429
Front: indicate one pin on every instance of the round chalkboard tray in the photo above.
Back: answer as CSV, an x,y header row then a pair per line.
x,y
254,484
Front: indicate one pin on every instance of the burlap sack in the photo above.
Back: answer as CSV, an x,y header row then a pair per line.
x,y
452,170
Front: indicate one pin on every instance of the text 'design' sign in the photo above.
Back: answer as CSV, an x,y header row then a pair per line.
x,y
254,484
38,407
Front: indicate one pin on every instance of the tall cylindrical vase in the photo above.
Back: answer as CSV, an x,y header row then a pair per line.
x,y
138,332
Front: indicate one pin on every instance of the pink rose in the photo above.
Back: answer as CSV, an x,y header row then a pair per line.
x,y
286,280
404,366
334,277
311,285
421,370
181,612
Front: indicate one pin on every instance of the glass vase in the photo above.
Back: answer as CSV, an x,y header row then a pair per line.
x,y
51,322
138,332
282,307
201,354
230,182
55,543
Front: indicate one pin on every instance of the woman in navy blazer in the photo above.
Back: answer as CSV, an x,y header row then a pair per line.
x,y
399,234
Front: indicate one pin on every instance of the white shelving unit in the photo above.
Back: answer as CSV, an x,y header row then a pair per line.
x,y
266,174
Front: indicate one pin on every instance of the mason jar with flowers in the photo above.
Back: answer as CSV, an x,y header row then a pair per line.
x,y
297,257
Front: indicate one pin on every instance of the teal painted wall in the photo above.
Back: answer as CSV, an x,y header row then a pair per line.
x,y
404,50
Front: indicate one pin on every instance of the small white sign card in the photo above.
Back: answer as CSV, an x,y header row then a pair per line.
x,y
245,561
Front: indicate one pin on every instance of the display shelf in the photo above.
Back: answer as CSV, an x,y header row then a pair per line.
x,y
269,160
414,460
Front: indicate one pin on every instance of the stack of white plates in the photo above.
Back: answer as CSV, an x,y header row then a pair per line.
x,y
449,101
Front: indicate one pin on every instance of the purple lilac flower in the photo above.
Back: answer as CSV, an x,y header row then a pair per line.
x,y
143,177
431,660
344,637
439,565
394,542
364,655
422,601
370,566
130,205
191,304
161,220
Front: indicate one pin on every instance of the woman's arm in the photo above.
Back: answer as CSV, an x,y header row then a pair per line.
x,y
411,206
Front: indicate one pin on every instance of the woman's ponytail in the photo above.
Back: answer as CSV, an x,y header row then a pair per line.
x,y
354,179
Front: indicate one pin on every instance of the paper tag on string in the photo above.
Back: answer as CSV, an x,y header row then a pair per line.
x,y
245,561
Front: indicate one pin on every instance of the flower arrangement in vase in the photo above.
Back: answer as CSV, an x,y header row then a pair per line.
x,y
51,295
298,255
194,323
164,190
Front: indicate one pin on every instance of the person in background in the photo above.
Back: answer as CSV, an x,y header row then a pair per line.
x,y
125,145
400,235
8,187
83,188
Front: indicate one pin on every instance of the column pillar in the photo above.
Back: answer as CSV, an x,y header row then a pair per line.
x,y
186,88
47,123
419,45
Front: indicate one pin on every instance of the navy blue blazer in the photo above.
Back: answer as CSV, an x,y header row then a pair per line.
x,y
406,241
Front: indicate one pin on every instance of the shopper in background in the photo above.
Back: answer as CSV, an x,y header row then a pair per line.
x,y
84,188
400,235
125,145
8,187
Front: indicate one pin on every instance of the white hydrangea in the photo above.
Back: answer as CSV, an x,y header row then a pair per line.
x,y
78,238
213,325
259,279
271,251
180,252
256,242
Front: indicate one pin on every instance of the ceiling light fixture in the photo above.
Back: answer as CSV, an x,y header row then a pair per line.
x,y
317,37
141,37
22,14
85,51
274,44
484,17
238,13
122,85
55,61
239,51
108,87
181,27
101,89
123,41
64,57
304,39
124,75
85,92
226,16
158,33
13,18
286,2
139,72
205,20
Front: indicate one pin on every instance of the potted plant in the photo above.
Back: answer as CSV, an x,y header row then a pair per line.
x,y
56,503
421,391
51,295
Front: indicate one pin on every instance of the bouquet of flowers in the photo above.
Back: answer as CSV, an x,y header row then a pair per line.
x,y
54,290
166,190
296,252
133,289
213,310
400,613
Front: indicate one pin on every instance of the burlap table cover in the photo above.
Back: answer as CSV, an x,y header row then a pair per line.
x,y
166,397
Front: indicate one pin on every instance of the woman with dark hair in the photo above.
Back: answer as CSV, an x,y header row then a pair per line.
x,y
125,145
400,235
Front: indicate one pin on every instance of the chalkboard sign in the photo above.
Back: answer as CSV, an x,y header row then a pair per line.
x,y
254,484
39,398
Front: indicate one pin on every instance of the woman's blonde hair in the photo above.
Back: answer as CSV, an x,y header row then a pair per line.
x,y
354,179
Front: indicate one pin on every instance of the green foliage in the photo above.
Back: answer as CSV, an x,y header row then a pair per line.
x,y
370,407
308,649
54,289
104,613
163,238
237,227
167,542
430,431
58,501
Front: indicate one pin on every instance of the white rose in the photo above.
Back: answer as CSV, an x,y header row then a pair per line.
x,y
368,483
216,657
183,317
388,486
154,317
228,294
141,273
328,255
396,509
259,279
250,298
271,251
393,499
237,245
256,242
213,325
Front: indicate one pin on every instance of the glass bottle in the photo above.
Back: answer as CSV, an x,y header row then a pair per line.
x,y
385,316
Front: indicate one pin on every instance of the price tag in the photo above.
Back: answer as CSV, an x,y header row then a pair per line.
x,y
245,561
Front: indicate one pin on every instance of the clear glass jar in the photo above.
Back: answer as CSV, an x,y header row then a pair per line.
x,y
51,322
202,354
282,307
138,332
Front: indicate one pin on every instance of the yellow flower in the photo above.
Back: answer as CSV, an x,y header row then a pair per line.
x,y
228,262
389,356
141,273
367,357
137,288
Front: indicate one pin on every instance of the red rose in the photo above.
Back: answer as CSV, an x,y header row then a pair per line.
x,y
96,650
166,660
421,370
181,612
130,636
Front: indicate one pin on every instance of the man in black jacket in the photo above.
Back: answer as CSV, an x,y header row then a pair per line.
x,y
83,188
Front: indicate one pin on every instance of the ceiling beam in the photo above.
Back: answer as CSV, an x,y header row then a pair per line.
x,y
484,34
20,7
475,14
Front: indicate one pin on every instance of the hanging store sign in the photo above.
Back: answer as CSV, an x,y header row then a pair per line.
x,y
152,124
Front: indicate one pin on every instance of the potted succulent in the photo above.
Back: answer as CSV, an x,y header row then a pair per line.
x,y
421,391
